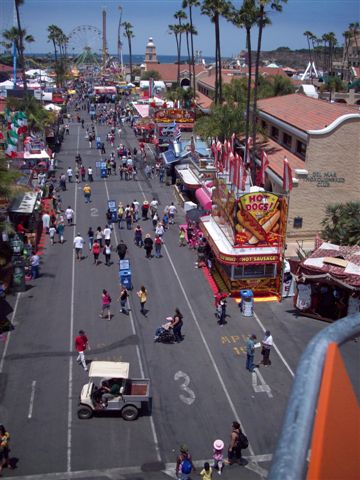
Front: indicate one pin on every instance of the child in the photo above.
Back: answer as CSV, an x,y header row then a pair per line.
x,y
182,237
206,472
218,456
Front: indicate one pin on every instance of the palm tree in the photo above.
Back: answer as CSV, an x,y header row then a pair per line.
x,y
128,33
18,3
12,36
190,4
215,9
309,36
176,31
262,21
53,36
341,224
246,18
180,15
189,31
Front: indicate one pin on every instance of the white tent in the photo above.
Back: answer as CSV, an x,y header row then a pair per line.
x,y
36,72
7,84
53,107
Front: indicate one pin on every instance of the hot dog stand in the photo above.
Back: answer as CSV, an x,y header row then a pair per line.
x,y
246,232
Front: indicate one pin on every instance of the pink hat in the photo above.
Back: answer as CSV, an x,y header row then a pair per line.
x,y
218,445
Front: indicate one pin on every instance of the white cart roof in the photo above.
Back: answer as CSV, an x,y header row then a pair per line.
x,y
109,369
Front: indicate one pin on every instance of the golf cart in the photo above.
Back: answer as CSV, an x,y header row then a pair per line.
x,y
123,394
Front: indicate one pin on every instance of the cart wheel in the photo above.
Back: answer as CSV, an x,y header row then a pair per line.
x,y
130,413
85,413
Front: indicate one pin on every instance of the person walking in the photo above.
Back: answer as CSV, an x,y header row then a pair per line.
x,y
96,252
69,174
120,215
138,236
52,231
107,254
87,193
78,245
60,231
121,249
35,264
184,463
106,302
4,448
250,352
267,343
142,294
46,221
235,446
172,212
81,344
69,214
90,235
218,456
107,234
206,472
221,312
124,294
182,239
77,173
90,174
145,210
177,323
83,173
158,244
99,236
148,245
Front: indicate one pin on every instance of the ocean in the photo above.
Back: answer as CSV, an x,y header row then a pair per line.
x,y
139,59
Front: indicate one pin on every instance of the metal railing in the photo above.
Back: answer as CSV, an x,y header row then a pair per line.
x,y
290,458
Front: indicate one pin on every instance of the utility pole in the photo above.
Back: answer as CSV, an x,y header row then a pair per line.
x,y
104,36
119,42
14,50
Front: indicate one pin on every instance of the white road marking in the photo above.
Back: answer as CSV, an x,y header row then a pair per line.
x,y
71,339
94,212
207,348
32,396
264,387
275,346
184,386
142,373
8,334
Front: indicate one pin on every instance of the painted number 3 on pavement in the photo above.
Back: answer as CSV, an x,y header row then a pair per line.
x,y
189,398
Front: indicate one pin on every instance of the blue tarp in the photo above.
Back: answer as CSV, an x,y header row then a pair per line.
x,y
169,157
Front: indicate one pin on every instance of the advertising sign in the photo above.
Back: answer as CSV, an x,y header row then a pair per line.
x,y
170,115
260,220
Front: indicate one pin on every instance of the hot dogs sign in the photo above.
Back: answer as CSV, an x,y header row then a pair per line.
x,y
260,220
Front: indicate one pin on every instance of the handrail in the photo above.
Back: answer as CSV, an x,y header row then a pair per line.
x,y
290,458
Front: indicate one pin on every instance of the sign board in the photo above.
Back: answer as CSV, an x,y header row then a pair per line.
x,y
170,115
111,204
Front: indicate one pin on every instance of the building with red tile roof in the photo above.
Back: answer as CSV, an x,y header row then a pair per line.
x,y
321,141
168,72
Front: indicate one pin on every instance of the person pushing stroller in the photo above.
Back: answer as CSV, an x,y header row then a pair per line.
x,y
164,332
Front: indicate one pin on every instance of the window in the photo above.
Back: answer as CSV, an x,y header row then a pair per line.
x,y
287,139
254,271
298,221
274,132
263,124
301,148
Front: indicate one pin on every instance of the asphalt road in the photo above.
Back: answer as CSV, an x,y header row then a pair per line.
x,y
198,386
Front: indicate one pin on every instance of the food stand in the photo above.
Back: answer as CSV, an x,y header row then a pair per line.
x,y
246,233
328,282
25,210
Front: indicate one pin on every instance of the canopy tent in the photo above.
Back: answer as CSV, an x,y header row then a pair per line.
x,y
142,110
169,157
204,198
7,84
52,107
158,84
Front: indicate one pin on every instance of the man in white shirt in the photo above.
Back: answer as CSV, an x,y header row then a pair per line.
x,y
107,234
266,344
153,206
78,245
172,211
69,174
136,206
90,174
69,214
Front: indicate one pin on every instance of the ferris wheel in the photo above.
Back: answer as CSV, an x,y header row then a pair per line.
x,y
85,38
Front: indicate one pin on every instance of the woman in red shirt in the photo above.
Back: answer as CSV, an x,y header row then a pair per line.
x,y
96,252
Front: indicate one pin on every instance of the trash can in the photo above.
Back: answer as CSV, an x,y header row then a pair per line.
x,y
18,279
103,172
98,143
247,303
125,274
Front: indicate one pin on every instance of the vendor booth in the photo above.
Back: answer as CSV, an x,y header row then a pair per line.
x,y
328,282
246,234
25,210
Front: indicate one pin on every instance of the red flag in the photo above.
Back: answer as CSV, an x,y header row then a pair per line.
x,y
287,176
264,165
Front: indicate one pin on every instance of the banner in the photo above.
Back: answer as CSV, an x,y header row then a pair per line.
x,y
260,220
170,115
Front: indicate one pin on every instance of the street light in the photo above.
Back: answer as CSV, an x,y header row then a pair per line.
x,y
120,54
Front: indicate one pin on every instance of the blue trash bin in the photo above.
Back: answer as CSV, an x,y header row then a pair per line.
x,y
247,303
125,274
103,173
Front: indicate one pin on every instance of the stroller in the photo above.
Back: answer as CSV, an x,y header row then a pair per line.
x,y
164,333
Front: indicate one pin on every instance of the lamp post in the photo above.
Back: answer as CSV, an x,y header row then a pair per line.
x,y
120,54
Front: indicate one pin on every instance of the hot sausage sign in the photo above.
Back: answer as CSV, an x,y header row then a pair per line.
x,y
260,219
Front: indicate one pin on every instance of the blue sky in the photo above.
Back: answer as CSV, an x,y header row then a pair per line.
x,y
152,17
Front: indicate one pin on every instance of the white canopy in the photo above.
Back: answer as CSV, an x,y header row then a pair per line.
x,y
53,107
36,72
101,369
7,84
